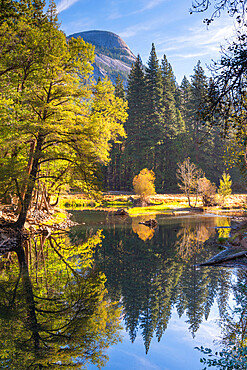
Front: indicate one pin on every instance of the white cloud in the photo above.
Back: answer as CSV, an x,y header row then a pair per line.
x,y
65,4
80,25
137,28
148,6
197,41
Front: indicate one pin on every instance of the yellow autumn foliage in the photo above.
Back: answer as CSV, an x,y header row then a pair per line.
x,y
144,183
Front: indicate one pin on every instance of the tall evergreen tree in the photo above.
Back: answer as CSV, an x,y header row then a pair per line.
x,y
207,148
119,88
136,125
172,117
172,128
199,97
154,108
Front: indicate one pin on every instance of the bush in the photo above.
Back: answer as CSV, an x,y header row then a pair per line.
x,y
144,183
225,188
207,191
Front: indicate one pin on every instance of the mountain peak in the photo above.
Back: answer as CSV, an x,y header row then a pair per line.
x,y
112,54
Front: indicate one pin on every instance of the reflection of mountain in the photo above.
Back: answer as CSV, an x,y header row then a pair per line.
x,y
151,277
112,55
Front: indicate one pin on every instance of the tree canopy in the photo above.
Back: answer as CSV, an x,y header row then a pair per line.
x,y
235,8
56,124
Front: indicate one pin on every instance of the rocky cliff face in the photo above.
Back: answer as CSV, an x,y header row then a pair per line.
x,y
112,55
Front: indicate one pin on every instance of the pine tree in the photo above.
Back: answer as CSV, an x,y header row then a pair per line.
x,y
119,88
172,128
171,123
154,112
198,101
136,125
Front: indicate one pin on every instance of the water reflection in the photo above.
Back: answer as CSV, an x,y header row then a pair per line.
x,y
191,237
54,310
144,232
153,277
233,346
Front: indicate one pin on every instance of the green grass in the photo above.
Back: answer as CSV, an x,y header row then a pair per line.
x,y
82,203
73,203
78,203
135,211
116,204
57,218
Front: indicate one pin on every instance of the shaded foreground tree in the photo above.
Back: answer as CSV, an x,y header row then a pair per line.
x,y
235,8
55,124
227,97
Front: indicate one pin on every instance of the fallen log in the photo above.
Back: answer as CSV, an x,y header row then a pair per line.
x,y
215,261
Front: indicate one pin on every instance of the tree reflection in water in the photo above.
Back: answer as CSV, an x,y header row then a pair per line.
x,y
233,346
54,310
144,232
191,237
156,276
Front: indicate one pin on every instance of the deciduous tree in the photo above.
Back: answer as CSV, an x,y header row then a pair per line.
x,y
53,120
189,174
144,183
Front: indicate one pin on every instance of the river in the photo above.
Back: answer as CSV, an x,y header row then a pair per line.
x,y
114,292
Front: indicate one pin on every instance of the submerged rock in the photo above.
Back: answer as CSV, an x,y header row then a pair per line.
x,y
150,223
121,212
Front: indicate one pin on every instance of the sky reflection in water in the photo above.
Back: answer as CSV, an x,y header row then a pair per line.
x,y
160,265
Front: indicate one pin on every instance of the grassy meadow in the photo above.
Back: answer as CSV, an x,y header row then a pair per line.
x,y
160,203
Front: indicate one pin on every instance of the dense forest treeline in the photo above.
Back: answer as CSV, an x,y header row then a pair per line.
x,y
165,125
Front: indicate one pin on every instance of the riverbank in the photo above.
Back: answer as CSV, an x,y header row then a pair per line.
x,y
157,203
37,221
233,254
58,218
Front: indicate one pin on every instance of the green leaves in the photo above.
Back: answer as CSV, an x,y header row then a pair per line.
x,y
48,96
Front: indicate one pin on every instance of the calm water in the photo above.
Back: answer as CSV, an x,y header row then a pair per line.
x,y
169,305
136,301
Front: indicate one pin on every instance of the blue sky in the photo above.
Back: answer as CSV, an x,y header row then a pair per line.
x,y
182,37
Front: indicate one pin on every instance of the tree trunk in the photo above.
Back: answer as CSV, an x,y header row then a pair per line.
x,y
30,184
28,293
29,167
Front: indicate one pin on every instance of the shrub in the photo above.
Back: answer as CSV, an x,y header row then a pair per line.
x,y
144,183
207,191
225,188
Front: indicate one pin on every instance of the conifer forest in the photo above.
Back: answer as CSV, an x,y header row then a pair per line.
x,y
165,125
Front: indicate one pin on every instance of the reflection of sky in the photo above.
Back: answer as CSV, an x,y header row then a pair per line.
x,y
175,351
